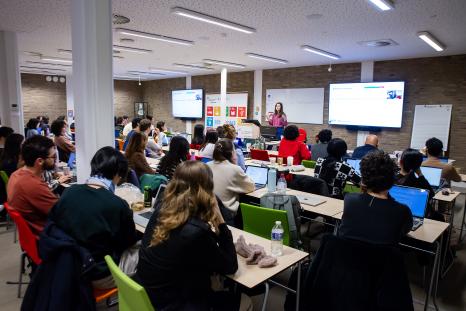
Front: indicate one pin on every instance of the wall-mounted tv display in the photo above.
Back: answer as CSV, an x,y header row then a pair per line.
x,y
188,104
374,104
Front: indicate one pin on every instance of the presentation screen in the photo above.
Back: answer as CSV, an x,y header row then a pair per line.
x,y
188,103
377,104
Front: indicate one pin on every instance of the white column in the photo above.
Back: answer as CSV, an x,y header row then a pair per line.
x,y
189,124
69,99
257,112
11,106
91,35
367,75
223,88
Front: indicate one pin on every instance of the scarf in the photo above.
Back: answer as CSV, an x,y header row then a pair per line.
x,y
101,181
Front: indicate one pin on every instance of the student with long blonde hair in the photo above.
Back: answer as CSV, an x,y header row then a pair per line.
x,y
185,242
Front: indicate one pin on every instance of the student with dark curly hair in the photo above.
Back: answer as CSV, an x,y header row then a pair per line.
x,y
334,171
319,150
291,146
374,216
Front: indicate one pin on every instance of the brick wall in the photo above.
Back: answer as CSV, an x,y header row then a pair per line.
x,y
49,98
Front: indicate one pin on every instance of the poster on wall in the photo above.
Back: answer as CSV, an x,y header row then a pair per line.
x,y
235,110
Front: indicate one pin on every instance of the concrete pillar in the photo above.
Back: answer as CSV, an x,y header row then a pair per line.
x,y
11,107
189,123
69,99
257,112
91,37
223,87
367,75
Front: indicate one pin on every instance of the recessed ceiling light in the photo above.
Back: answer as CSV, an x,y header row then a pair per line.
x,y
131,49
151,36
192,66
212,20
317,51
64,51
222,63
431,40
267,58
56,59
168,71
384,5
47,64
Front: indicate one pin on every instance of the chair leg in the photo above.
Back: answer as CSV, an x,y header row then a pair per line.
x,y
21,271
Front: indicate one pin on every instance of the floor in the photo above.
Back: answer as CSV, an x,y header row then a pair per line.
x,y
451,293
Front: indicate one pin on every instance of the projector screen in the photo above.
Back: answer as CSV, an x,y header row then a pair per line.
x,y
377,104
188,103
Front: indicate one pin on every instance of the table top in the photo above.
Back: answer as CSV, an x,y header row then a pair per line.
x,y
447,198
329,208
252,275
306,172
430,231
463,177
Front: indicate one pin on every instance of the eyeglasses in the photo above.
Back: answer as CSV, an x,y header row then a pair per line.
x,y
54,157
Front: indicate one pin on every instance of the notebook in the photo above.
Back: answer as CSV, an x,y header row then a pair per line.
x,y
416,199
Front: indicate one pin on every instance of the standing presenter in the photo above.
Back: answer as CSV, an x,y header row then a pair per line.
x,y
277,119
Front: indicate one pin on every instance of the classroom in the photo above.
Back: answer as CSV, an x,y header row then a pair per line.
x,y
233,155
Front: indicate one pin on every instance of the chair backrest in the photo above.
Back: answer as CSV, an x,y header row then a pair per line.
x,y
27,239
260,221
351,189
131,295
4,177
309,163
133,178
302,135
258,154
194,146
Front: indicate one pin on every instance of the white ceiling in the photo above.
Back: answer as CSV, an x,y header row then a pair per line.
x,y
282,27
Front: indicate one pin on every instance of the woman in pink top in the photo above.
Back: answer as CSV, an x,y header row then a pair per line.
x,y
278,117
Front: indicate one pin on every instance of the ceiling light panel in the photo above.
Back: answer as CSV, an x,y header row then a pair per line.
x,y
212,20
192,66
222,63
384,5
56,59
42,68
320,52
131,49
64,51
431,40
267,58
145,73
47,64
167,71
146,35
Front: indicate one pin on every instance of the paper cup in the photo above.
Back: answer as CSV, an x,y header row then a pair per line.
x,y
289,161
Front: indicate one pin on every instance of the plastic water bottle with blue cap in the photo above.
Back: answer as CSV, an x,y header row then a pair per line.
x,y
277,239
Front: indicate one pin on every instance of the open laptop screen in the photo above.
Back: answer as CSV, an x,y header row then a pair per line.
x,y
432,174
416,199
258,174
354,163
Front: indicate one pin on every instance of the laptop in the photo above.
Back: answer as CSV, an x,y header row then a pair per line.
x,y
433,175
258,175
354,163
310,200
142,219
269,132
416,199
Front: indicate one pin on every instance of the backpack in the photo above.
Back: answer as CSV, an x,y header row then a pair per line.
x,y
153,181
291,205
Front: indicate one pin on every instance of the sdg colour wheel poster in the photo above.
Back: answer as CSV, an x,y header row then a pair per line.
x,y
236,109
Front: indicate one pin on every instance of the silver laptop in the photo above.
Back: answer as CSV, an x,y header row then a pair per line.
x,y
142,219
258,174
416,199
433,175
310,200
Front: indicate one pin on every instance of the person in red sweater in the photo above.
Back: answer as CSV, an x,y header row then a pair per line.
x,y
291,146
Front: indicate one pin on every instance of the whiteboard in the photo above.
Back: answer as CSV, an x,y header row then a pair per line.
x,y
300,105
431,121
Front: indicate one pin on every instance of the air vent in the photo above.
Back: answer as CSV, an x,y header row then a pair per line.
x,y
120,19
378,43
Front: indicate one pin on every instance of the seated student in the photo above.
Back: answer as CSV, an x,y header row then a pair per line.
x,y
434,149
135,153
32,127
27,191
162,136
220,132
44,125
5,131
64,145
291,146
119,126
128,126
153,149
10,159
208,146
374,216
95,217
198,135
319,150
135,128
145,128
371,144
179,150
185,243
229,179
334,171
230,133
410,174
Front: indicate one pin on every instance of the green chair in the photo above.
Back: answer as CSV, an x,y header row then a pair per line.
x,y
131,295
309,163
260,221
349,188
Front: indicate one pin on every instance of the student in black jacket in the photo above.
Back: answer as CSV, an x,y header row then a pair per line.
x,y
186,242
374,216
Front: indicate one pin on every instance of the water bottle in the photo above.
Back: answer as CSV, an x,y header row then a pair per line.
x,y
193,156
281,184
277,239
271,178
